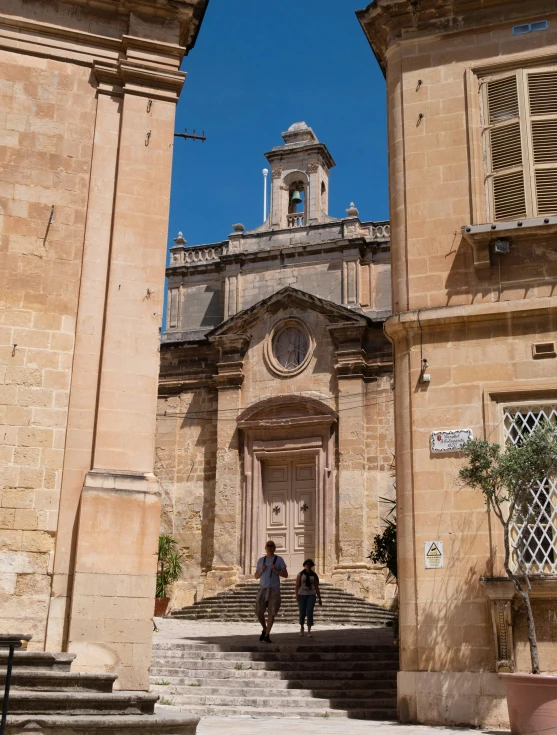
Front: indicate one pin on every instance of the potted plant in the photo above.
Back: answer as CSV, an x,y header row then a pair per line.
x,y
506,479
169,569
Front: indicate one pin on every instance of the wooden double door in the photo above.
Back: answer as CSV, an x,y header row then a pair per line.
x,y
289,507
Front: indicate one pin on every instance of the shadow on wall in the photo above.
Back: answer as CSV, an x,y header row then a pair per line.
x,y
529,270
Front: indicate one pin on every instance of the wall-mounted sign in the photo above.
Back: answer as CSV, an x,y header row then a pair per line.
x,y
433,554
450,441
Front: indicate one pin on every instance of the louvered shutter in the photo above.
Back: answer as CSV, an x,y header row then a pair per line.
x,y
505,160
542,94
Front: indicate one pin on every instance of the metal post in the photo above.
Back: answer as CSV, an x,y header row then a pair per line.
x,y
12,645
265,173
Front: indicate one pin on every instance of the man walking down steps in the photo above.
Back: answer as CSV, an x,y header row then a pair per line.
x,y
270,568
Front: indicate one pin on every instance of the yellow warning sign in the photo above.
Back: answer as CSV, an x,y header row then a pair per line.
x,y
433,554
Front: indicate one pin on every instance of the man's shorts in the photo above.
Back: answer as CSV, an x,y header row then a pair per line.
x,y
268,598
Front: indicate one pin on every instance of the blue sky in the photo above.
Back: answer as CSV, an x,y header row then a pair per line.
x,y
257,67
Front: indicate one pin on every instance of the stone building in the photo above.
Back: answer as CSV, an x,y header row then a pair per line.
x,y
472,109
275,394
88,96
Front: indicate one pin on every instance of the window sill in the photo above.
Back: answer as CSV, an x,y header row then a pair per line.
x,y
501,588
482,238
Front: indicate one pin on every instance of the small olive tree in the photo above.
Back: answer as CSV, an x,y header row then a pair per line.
x,y
506,479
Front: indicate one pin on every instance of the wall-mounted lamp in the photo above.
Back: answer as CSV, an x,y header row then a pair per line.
x,y
424,377
502,247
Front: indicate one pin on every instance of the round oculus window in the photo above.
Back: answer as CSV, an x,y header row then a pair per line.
x,y
290,347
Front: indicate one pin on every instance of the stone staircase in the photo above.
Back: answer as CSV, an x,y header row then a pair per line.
x,y
278,680
46,696
238,604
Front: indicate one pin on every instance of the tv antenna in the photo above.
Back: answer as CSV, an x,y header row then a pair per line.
x,y
191,136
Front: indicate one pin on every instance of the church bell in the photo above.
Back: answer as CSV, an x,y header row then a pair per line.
x,y
296,198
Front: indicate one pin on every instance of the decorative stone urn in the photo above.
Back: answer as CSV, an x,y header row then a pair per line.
x,y
532,703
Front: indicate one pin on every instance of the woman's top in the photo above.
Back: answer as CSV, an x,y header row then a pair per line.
x,y
308,583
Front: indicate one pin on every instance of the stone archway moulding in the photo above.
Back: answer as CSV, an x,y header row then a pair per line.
x,y
287,427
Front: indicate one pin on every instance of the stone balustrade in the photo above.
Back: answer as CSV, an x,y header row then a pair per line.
x,y
297,219
380,232
194,255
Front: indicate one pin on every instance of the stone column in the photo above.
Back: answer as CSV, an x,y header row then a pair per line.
x,y
118,519
228,489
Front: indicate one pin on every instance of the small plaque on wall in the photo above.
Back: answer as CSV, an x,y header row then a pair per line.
x,y
450,441
433,554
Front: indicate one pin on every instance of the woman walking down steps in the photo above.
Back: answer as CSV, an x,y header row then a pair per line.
x,y
307,592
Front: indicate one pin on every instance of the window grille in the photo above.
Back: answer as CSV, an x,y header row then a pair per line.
x,y
519,119
534,532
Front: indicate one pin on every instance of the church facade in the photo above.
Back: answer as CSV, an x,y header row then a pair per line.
x,y
275,397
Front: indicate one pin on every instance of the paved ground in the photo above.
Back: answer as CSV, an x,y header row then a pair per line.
x,y
207,631
316,726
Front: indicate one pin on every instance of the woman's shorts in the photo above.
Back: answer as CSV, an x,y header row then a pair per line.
x,y
268,598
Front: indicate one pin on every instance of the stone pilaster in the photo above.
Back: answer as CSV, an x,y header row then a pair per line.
x,y
352,565
228,489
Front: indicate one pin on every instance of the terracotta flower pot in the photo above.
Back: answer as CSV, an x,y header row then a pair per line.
x,y
532,703
161,606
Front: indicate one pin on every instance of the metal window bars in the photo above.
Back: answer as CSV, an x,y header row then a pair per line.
x,y
534,532
11,643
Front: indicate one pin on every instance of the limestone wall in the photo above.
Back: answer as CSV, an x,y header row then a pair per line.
x,y
476,326
88,99
46,128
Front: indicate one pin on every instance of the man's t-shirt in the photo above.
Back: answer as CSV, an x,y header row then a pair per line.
x,y
269,578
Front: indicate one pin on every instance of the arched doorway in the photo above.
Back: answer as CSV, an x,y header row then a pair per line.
x,y
288,486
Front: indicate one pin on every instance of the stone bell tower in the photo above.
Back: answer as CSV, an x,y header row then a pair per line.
x,y
300,179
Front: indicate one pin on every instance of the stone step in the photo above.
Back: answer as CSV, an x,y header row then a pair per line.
x,y
290,695
39,659
373,713
160,724
167,672
387,680
309,703
44,680
28,702
285,666
237,605
256,647
340,613
321,656
251,619
329,607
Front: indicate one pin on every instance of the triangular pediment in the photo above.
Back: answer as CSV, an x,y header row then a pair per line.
x,y
288,297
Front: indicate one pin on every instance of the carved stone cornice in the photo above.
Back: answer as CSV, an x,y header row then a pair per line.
x,y
127,77
348,337
352,360
232,349
65,40
389,22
